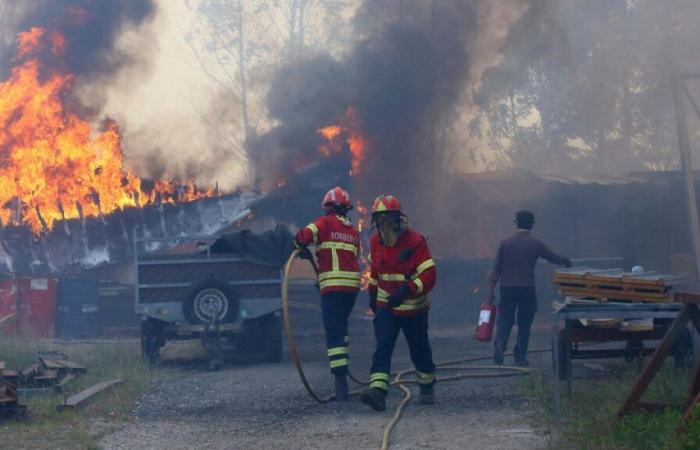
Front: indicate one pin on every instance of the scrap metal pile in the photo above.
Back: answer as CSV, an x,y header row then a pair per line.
x,y
51,373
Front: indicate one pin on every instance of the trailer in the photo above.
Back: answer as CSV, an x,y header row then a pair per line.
x,y
223,290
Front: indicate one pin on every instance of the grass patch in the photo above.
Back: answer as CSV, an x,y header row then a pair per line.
x,y
44,427
588,414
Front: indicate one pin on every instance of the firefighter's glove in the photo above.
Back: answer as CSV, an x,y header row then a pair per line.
x,y
304,252
373,301
399,296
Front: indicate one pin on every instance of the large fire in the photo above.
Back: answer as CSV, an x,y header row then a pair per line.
x,y
53,164
347,131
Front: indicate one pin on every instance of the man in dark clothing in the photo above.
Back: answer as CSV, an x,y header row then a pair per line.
x,y
515,268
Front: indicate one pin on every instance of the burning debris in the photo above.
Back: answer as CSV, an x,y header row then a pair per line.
x,y
55,165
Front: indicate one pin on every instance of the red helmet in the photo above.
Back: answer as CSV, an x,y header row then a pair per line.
x,y
385,204
336,197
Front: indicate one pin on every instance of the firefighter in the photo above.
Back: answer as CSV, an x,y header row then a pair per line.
x,y
402,274
515,269
337,245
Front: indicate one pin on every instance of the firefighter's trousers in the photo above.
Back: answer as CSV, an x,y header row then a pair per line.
x,y
415,330
336,308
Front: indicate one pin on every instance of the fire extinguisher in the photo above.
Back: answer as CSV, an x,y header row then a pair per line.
x,y
487,320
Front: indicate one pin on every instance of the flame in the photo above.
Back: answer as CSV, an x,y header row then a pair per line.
x,y
347,131
53,164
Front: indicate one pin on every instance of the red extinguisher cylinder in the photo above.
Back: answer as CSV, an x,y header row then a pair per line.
x,y
487,321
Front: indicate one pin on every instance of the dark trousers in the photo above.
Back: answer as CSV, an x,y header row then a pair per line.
x,y
522,300
415,330
336,308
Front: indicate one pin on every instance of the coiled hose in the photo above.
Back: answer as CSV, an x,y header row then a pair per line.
x,y
460,366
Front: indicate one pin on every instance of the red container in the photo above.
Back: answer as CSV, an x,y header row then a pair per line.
x,y
487,320
37,307
8,306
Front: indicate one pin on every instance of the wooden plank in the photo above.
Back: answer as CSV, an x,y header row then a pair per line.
x,y
657,359
616,295
47,375
82,397
51,364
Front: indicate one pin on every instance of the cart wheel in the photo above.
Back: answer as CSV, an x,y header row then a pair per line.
x,y
152,339
211,301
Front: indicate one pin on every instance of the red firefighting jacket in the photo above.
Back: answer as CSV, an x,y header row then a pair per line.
x,y
337,247
408,261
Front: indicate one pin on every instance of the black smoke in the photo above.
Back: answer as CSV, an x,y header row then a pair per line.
x,y
404,76
91,29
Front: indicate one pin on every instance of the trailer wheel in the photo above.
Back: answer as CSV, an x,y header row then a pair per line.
x,y
272,328
152,339
211,301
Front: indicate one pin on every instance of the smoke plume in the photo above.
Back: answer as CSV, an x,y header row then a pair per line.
x,y
411,67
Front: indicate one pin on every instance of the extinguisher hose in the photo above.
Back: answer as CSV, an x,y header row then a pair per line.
x,y
461,367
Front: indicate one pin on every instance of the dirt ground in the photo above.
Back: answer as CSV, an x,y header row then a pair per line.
x,y
251,404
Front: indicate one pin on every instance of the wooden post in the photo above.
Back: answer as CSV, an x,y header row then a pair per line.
x,y
687,167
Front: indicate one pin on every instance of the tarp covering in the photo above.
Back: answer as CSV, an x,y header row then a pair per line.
x,y
271,248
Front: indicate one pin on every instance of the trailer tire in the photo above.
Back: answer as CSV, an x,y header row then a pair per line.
x,y
272,328
152,339
210,301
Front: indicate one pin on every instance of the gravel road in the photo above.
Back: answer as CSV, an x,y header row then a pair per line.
x,y
259,406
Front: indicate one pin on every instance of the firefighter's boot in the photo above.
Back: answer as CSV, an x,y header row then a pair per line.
x,y
374,397
427,395
341,387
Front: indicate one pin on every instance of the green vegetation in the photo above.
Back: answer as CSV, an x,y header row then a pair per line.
x,y
81,429
588,414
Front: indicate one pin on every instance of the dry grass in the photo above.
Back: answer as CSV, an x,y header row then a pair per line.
x,y
81,429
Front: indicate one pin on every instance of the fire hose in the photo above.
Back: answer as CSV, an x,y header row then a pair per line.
x,y
461,365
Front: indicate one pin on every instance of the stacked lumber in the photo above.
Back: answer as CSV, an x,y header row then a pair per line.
x,y
615,285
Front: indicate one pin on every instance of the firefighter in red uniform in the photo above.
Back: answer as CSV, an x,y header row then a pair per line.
x,y
402,274
337,248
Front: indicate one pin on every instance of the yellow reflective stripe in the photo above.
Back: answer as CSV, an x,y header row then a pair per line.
x,y
425,265
379,376
379,384
419,285
382,294
339,282
372,281
339,274
339,363
425,378
314,230
410,304
392,277
335,351
338,246
336,262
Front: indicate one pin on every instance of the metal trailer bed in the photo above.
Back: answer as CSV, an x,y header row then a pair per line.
x,y
184,291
